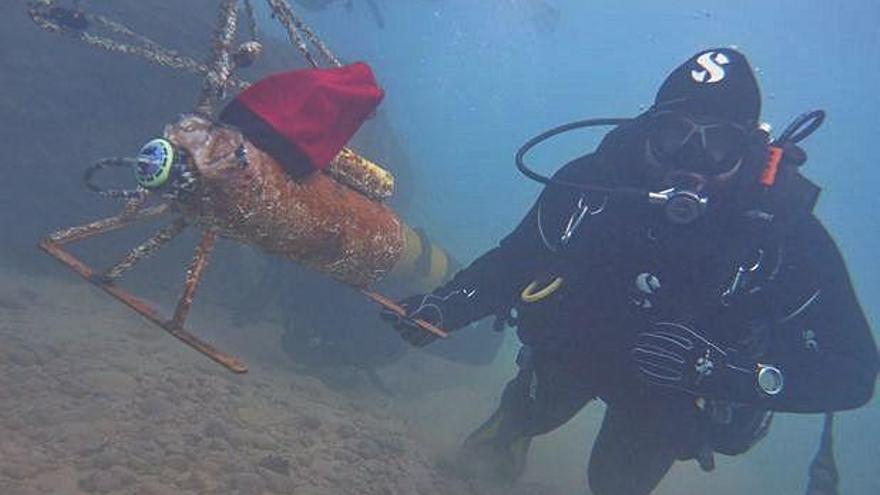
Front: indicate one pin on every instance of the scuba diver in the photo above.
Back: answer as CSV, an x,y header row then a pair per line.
x,y
678,274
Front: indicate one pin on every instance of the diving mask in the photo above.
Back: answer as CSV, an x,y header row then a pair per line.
x,y
709,147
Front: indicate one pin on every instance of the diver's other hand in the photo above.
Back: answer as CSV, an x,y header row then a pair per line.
x,y
675,355
425,307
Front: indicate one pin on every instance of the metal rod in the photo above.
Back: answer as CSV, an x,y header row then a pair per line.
x,y
41,12
392,306
146,249
134,204
193,277
282,12
102,226
232,363
297,30
318,43
251,19
222,64
142,307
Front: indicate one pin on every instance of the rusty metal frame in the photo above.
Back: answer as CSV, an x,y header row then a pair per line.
x,y
54,243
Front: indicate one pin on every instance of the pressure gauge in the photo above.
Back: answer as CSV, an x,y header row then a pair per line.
x,y
770,379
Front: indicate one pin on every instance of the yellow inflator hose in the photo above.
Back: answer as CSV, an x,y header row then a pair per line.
x,y
530,294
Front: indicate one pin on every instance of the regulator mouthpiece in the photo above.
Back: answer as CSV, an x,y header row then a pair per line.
x,y
681,206
154,163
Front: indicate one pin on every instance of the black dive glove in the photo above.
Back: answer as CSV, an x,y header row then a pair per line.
x,y
676,356
447,311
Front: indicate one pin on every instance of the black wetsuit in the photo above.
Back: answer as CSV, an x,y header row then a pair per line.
x,y
623,268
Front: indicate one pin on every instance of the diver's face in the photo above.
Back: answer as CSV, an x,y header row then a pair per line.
x,y
693,152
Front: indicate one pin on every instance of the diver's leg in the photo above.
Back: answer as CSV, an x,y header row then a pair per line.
x,y
538,400
636,446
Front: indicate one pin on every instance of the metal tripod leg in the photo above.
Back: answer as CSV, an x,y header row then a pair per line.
x,y
53,245
193,277
124,219
175,324
146,249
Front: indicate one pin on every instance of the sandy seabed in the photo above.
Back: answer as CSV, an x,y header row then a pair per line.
x,y
93,399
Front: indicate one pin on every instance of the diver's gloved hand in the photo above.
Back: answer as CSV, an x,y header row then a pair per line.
x,y
446,311
676,356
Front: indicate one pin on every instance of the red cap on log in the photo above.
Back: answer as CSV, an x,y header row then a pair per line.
x,y
315,110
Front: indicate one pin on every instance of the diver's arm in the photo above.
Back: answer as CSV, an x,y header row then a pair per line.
x,y
494,279
480,290
491,280
824,346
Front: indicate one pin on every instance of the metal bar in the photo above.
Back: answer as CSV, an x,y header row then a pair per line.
x,y
318,43
102,226
284,14
251,20
193,277
392,306
134,204
221,58
232,363
55,249
142,307
41,12
146,249
297,30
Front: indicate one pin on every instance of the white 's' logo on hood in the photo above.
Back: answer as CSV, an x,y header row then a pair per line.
x,y
712,63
